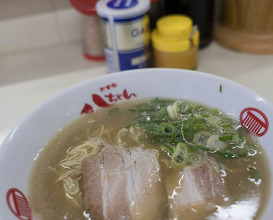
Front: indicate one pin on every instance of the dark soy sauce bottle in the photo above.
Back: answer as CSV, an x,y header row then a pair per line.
x,y
201,12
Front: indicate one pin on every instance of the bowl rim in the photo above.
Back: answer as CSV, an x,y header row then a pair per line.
x,y
141,72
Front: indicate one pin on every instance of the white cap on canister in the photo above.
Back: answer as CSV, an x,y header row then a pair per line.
x,y
122,9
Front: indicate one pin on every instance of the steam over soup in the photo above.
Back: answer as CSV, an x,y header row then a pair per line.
x,y
151,159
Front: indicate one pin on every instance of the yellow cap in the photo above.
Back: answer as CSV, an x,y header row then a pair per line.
x,y
175,26
173,33
168,44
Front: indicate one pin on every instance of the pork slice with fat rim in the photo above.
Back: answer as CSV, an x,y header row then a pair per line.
x,y
193,193
145,189
123,184
104,183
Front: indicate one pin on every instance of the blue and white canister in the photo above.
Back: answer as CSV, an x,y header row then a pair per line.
x,y
125,27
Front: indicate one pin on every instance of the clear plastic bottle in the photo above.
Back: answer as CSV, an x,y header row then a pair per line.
x,y
175,42
92,42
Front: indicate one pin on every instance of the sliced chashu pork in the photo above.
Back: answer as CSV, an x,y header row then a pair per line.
x,y
193,193
123,184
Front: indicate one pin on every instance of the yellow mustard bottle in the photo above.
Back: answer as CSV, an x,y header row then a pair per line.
x,y
175,42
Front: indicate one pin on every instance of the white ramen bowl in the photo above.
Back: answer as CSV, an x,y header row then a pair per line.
x,y
23,143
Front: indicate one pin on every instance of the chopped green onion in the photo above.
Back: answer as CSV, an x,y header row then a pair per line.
x,y
173,109
202,130
142,109
213,120
162,102
201,137
197,107
195,158
167,128
227,122
206,114
216,111
197,147
180,158
225,138
241,132
200,127
254,175
167,148
113,111
197,115
183,107
214,143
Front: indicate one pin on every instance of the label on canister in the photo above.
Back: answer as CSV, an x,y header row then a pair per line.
x,y
125,27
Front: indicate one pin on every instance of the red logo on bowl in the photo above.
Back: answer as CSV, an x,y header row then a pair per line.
x,y
107,97
254,120
18,204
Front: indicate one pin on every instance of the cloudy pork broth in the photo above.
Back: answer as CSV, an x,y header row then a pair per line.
x,y
151,159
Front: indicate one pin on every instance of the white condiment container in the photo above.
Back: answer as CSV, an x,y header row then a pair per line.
x,y
125,27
